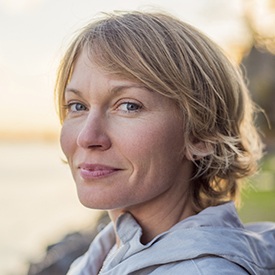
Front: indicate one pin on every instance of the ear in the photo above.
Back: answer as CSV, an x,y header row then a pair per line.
x,y
198,150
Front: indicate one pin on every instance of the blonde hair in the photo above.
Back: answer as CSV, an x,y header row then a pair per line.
x,y
179,62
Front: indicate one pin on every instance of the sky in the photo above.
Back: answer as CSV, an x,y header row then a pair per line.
x,y
35,33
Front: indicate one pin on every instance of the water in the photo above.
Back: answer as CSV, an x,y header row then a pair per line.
x,y
39,204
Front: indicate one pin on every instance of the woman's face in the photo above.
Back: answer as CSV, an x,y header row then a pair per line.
x,y
124,143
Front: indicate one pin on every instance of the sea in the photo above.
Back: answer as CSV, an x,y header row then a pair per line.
x,y
39,205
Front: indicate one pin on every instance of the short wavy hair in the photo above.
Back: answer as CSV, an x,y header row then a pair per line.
x,y
176,60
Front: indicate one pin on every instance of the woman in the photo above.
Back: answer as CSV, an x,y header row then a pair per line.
x,y
157,127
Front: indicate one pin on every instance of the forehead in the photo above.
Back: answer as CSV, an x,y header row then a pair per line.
x,y
106,61
87,75
91,64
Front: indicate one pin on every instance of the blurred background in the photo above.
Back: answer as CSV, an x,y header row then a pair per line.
x,y
39,205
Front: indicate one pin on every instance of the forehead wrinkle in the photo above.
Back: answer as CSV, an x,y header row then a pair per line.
x,y
117,89
72,90
121,88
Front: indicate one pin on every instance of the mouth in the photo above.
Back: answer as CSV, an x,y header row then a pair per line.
x,y
95,171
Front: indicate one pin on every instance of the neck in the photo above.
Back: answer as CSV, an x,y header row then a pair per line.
x,y
159,215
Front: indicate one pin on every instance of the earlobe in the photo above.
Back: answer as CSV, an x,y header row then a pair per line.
x,y
198,150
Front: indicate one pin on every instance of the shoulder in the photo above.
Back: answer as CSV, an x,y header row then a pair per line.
x,y
201,266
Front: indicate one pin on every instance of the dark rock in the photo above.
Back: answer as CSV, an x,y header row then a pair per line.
x,y
60,256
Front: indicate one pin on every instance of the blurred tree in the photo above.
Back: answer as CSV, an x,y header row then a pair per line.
x,y
259,16
259,61
260,71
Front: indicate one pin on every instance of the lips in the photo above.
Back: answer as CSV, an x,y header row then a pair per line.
x,y
94,171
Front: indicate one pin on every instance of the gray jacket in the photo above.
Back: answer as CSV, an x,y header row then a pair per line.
x,y
211,242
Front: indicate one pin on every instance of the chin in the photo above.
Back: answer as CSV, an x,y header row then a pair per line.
x,y
97,202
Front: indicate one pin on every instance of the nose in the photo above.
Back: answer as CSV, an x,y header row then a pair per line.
x,y
93,133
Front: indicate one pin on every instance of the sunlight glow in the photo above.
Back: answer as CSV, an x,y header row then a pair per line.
x,y
34,34
15,7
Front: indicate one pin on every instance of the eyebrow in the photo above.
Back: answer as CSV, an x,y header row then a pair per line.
x,y
71,90
121,88
113,90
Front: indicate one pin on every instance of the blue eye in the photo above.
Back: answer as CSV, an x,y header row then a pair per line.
x,y
129,107
76,107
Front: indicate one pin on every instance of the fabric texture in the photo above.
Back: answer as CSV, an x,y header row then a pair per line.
x,y
211,242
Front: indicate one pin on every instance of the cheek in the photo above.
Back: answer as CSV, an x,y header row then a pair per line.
x,y
160,145
168,138
67,140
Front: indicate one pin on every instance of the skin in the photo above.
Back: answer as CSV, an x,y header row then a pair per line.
x,y
124,145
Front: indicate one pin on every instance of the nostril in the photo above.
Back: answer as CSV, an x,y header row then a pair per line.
x,y
93,133
94,146
93,141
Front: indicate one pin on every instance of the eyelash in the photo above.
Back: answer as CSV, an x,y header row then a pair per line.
x,y
127,104
68,107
